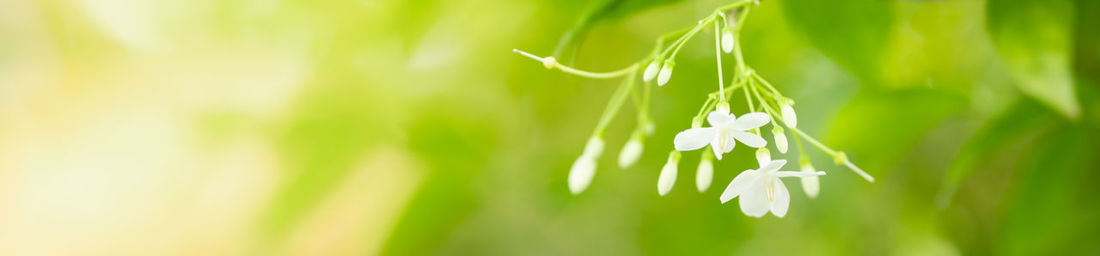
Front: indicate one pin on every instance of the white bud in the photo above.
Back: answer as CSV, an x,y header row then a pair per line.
x,y
666,73
584,168
704,174
789,117
651,70
580,175
594,147
727,40
723,107
667,177
631,152
763,156
811,185
780,139
650,128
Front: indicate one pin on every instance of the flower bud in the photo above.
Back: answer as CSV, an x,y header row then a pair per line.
x,y
788,115
631,151
763,156
727,40
666,73
705,173
667,177
810,184
723,107
594,147
584,168
780,139
650,128
651,70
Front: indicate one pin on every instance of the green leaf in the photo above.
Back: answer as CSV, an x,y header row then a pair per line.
x,y
852,33
1012,126
1035,39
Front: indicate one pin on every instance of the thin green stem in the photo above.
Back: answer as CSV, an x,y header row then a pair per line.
x,y
816,143
766,84
614,104
551,63
718,58
683,39
703,111
748,99
599,75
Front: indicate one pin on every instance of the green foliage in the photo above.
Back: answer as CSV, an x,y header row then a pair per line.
x,y
853,33
1035,38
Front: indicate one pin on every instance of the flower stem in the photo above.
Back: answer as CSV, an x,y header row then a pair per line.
x,y
551,64
816,143
718,57
615,103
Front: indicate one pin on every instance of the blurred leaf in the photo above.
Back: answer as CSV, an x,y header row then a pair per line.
x,y
1015,123
1043,218
603,11
852,33
1087,48
1034,38
323,139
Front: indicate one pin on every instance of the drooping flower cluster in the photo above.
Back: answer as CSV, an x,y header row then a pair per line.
x,y
760,190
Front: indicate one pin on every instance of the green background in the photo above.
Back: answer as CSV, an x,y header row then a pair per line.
x,y
979,120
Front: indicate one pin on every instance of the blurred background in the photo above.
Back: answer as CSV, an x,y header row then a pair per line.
x,y
288,127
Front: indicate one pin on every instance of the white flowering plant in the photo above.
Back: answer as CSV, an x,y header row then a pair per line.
x,y
760,190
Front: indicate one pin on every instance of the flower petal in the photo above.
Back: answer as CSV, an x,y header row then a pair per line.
x,y
781,199
754,201
798,174
811,185
718,118
722,144
774,165
751,120
694,138
750,139
738,185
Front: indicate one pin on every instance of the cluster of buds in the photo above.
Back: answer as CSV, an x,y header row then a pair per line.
x,y
760,190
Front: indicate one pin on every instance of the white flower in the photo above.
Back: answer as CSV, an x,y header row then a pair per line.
x,y
668,174
704,174
725,128
666,73
780,140
788,115
811,185
580,175
631,152
761,190
651,70
727,40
